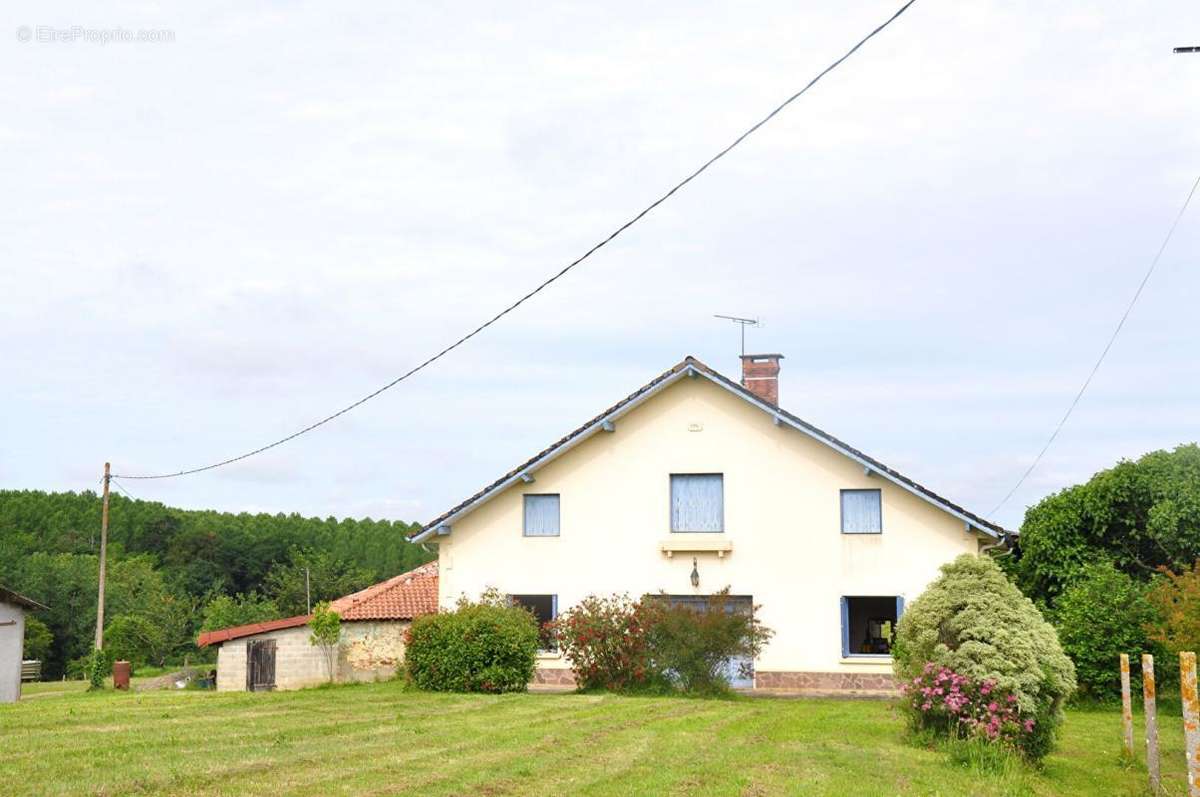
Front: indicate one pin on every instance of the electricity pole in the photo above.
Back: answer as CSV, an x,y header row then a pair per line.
x,y
103,562
307,594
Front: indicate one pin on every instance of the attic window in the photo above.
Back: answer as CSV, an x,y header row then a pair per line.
x,y
541,515
697,502
862,512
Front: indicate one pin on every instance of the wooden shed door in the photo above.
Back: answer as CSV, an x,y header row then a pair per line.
x,y
260,664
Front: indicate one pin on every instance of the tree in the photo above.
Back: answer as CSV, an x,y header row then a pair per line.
x,y
136,639
328,578
325,626
1176,599
1103,614
38,639
1140,516
166,564
225,611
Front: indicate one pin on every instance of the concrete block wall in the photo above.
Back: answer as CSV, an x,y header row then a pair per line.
x,y
297,663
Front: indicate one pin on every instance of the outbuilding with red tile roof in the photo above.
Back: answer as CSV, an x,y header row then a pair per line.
x,y
276,654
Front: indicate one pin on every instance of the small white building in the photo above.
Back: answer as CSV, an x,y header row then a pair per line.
x,y
277,654
12,640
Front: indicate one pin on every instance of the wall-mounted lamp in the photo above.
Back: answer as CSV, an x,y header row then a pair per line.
x,y
695,574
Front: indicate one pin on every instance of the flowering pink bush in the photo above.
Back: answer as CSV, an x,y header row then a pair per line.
x,y
948,703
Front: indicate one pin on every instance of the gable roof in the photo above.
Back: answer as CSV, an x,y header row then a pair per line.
x,y
17,599
691,367
401,597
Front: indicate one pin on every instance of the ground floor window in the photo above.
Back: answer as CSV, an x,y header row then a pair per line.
x,y
869,624
545,609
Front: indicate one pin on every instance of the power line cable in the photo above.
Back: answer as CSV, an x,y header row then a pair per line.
x,y
547,282
1112,339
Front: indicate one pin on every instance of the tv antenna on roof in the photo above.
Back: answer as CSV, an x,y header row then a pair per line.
x,y
743,322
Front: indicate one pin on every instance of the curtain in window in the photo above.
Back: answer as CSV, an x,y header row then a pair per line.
x,y
861,512
697,502
541,516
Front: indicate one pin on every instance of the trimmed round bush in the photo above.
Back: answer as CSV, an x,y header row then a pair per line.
x,y
1103,614
490,646
975,623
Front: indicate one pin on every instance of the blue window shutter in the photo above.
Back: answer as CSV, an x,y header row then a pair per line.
x,y
845,628
899,607
697,502
541,516
862,512
554,607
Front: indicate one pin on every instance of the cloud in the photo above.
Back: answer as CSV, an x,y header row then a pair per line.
x,y
211,243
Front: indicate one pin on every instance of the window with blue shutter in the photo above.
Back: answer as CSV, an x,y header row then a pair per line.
x,y
697,502
869,624
541,516
862,512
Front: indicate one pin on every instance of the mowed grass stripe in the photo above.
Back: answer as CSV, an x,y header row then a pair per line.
x,y
417,744
382,739
476,757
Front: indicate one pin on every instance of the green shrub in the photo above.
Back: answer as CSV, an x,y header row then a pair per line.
x,y
693,646
604,639
975,622
489,646
657,644
1103,614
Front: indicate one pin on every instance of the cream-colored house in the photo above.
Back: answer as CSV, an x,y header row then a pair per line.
x,y
694,483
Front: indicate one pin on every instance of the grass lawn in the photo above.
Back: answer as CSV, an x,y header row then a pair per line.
x,y
383,739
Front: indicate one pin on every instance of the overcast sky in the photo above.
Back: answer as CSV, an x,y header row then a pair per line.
x,y
209,242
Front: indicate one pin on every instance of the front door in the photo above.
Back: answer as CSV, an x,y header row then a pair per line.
x,y
260,665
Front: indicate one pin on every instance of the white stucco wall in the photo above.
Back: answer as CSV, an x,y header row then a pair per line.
x,y
368,651
12,639
782,517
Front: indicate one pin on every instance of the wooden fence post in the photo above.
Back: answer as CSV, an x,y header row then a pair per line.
x,y
1151,722
1191,718
1126,707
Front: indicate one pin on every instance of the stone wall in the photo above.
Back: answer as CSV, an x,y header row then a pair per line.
x,y
369,651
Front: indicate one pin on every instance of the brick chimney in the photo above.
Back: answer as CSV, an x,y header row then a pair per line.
x,y
760,375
